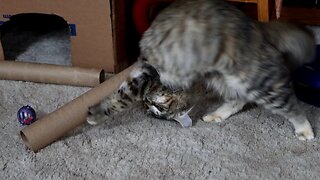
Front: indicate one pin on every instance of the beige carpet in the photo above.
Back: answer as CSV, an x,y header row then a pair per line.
x,y
253,144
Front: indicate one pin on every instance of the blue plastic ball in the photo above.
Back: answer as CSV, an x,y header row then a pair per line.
x,y
26,115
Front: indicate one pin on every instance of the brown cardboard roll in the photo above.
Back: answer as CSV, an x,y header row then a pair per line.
x,y
71,115
52,74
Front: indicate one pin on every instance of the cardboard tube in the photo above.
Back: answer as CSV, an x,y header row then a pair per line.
x,y
53,74
56,124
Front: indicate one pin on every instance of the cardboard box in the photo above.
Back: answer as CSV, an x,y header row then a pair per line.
x,y
98,28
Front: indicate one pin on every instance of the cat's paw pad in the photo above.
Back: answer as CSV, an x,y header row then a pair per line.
x,y
212,117
305,134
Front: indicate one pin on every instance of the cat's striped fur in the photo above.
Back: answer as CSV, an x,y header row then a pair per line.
x,y
143,86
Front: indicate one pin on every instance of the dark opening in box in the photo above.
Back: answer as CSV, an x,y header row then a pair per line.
x,y
35,37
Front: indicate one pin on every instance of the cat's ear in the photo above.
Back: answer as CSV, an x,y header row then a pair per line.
x,y
184,119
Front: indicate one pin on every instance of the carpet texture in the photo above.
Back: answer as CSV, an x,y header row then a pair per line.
x,y
253,144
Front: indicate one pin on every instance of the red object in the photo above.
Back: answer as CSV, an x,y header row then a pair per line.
x,y
143,14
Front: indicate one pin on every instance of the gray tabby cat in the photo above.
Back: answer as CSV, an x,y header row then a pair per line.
x,y
244,60
144,86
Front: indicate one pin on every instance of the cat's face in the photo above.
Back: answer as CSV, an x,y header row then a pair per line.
x,y
169,105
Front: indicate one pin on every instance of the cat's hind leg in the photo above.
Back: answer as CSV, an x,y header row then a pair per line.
x,y
282,101
293,112
227,109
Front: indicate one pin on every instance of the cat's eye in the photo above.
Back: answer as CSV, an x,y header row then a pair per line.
x,y
160,108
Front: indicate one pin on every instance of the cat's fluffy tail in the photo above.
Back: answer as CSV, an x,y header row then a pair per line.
x,y
295,42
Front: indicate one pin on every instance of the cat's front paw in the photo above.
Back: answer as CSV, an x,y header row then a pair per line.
x,y
212,117
305,134
91,119
304,131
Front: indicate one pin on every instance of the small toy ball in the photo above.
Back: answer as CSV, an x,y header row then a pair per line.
x,y
26,115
